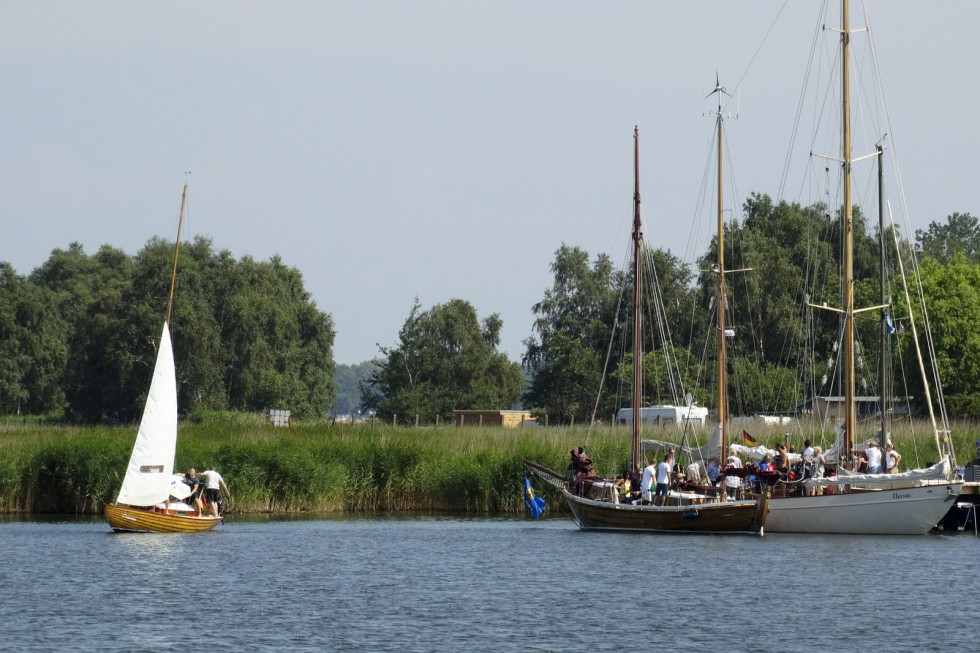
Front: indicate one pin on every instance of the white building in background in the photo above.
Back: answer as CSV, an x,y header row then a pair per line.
x,y
696,415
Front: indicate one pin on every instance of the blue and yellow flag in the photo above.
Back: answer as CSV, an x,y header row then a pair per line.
x,y
534,504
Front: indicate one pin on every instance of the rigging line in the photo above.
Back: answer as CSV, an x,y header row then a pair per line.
x,y
930,343
612,340
670,350
799,106
605,368
696,221
925,380
735,239
655,318
755,55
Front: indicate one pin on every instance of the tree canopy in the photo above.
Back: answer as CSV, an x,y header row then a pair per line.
x,y
782,349
942,242
445,360
85,328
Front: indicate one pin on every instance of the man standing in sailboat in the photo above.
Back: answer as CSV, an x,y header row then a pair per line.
x,y
213,484
194,483
648,482
874,458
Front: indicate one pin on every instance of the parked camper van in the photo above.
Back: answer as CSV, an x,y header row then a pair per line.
x,y
696,415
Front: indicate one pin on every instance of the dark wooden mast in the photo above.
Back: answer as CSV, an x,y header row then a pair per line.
x,y
637,295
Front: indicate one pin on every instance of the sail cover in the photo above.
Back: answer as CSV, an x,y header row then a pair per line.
x,y
147,480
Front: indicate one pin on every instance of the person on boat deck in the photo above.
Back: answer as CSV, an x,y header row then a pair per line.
x,y
584,473
807,462
213,483
819,469
572,466
733,483
194,483
765,465
625,488
664,470
892,458
781,461
874,458
860,462
714,471
647,482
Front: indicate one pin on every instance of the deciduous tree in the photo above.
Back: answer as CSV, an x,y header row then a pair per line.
x,y
445,360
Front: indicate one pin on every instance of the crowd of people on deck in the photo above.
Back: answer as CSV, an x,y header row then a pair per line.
x,y
778,474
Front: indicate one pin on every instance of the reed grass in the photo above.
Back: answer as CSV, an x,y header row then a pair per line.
x,y
368,468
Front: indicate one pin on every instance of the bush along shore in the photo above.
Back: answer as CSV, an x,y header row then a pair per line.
x,y
367,468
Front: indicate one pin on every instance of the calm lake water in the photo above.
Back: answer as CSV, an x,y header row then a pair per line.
x,y
450,584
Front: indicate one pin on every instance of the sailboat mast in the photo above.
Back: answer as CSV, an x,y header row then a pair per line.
x,y
722,351
850,417
884,367
173,275
637,294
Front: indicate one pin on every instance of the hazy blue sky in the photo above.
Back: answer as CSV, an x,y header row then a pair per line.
x,y
435,149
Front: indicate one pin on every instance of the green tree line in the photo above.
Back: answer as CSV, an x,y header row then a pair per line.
x,y
78,335
781,349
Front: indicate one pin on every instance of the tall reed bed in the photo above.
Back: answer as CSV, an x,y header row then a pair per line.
x,y
364,468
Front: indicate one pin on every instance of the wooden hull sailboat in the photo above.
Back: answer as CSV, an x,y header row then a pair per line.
x,y
701,515
144,501
682,512
156,520
687,512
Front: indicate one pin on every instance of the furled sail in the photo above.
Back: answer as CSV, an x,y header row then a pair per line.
x,y
147,480
940,473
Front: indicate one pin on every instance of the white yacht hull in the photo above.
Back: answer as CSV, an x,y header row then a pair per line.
x,y
903,511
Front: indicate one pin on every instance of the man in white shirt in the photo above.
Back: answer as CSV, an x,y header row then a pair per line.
x,y
212,489
874,458
646,483
664,470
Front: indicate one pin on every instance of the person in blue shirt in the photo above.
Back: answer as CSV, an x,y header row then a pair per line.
x,y
714,471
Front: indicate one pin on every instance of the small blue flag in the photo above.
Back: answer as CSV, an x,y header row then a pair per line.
x,y
534,504
888,323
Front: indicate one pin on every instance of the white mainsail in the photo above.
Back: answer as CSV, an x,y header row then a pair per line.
x,y
147,481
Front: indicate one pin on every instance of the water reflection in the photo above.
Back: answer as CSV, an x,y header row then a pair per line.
x,y
157,548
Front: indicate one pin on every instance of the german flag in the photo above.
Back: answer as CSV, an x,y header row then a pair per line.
x,y
748,439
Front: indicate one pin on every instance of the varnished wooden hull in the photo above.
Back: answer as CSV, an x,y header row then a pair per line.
x,y
141,520
712,516
737,517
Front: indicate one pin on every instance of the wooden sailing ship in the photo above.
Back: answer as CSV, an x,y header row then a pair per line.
x,y
684,512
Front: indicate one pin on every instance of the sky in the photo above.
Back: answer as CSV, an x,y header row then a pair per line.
x,y
438,149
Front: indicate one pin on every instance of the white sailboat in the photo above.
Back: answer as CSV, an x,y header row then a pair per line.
x,y
144,502
909,503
